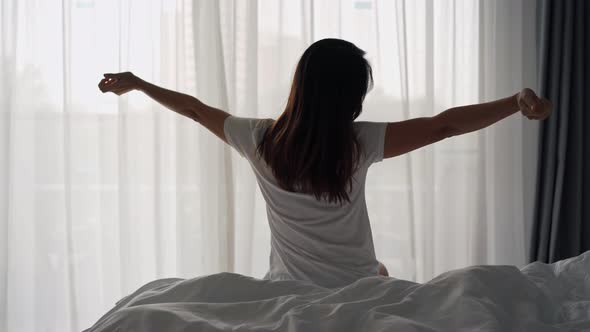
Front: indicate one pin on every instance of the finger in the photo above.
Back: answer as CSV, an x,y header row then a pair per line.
x,y
533,106
102,84
522,105
109,85
526,109
529,98
105,83
536,109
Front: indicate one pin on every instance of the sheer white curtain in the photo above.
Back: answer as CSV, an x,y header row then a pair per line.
x,y
100,194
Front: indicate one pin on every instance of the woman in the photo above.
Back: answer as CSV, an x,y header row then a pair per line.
x,y
311,163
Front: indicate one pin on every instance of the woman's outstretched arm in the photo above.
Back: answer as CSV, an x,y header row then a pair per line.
x,y
404,136
189,106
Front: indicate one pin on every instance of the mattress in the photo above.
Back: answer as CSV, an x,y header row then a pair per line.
x,y
537,297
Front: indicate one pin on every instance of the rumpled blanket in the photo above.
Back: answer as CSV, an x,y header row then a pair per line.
x,y
538,297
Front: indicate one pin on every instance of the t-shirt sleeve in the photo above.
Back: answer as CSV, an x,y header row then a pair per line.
x,y
241,135
372,138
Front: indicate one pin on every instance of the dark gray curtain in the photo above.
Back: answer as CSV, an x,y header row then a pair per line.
x,y
561,226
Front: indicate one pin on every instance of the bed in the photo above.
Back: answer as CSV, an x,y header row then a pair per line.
x,y
537,297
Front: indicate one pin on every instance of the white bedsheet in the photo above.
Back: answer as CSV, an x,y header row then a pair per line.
x,y
539,297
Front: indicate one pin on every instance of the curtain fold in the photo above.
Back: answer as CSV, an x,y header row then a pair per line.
x,y
560,229
100,194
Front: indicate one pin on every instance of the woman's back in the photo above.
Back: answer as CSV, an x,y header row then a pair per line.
x,y
316,147
327,243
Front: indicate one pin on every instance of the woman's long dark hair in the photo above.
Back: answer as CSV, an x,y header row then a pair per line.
x,y
312,146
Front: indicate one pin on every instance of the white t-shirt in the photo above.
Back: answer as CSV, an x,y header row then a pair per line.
x,y
328,244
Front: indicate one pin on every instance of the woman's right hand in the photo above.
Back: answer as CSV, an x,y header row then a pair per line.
x,y
532,106
119,83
